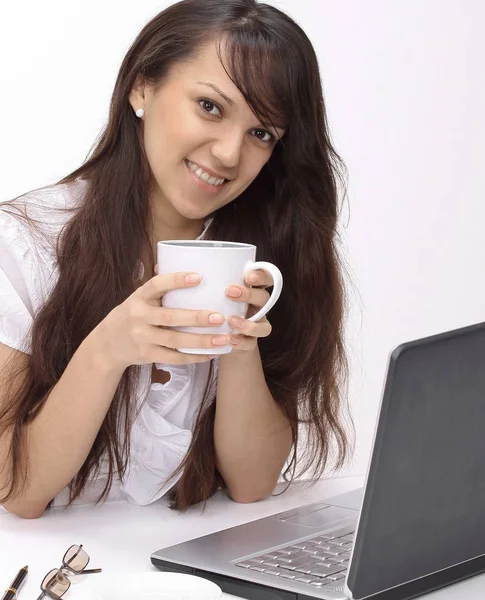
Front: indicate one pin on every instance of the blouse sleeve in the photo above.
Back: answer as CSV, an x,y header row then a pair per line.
x,y
20,283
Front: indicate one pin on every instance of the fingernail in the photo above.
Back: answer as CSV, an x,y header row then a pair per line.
x,y
216,318
252,278
193,278
220,340
236,322
234,292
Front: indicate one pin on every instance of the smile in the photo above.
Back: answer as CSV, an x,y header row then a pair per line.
x,y
204,176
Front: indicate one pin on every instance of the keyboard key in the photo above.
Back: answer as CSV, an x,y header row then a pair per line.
x,y
246,565
304,569
257,568
323,562
303,579
301,545
332,552
338,533
319,539
301,562
325,571
297,555
283,559
288,575
270,563
347,538
272,571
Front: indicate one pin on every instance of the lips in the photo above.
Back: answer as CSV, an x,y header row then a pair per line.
x,y
196,166
203,181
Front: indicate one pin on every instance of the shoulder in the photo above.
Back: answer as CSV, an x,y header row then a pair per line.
x,y
35,219
50,205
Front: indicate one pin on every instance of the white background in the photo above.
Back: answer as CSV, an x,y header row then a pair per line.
x,y
405,90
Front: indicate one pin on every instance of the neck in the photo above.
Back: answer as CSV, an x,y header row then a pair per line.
x,y
168,224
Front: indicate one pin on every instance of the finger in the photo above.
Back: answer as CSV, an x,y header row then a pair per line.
x,y
168,356
171,338
242,342
254,296
180,317
156,269
155,287
259,278
260,329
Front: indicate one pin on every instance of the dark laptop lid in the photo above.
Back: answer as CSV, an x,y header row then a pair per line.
x,y
424,505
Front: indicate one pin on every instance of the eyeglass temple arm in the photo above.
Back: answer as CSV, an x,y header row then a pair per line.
x,y
88,571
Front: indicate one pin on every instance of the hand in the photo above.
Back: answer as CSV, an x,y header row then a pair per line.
x,y
256,297
138,331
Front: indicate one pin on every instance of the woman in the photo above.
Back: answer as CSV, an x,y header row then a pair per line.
x,y
216,129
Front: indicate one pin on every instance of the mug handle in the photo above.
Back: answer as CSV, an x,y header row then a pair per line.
x,y
277,285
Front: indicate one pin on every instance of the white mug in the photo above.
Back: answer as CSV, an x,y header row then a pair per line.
x,y
220,264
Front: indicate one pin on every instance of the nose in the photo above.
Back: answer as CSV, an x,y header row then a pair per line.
x,y
227,148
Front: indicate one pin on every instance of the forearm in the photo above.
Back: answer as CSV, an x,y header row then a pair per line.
x,y
252,436
60,438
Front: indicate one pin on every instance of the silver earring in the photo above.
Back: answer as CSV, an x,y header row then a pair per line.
x,y
139,113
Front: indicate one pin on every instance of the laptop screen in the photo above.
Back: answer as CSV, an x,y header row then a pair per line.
x,y
424,508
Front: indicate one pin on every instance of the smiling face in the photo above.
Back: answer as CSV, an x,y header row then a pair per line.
x,y
199,131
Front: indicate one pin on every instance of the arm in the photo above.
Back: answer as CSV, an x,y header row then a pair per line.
x,y
65,429
252,437
60,437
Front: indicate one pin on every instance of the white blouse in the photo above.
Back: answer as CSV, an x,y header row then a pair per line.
x,y
162,431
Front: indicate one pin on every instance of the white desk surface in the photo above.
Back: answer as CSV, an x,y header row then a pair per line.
x,y
120,537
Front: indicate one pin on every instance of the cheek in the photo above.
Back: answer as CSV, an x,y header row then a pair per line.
x,y
167,138
155,140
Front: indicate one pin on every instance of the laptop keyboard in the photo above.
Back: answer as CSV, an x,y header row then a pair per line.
x,y
318,561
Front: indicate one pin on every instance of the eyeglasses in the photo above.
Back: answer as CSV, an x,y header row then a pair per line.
x,y
55,584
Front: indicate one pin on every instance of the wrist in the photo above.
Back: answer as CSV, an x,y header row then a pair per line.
x,y
97,344
241,356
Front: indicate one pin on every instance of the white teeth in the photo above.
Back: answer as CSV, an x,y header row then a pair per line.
x,y
205,176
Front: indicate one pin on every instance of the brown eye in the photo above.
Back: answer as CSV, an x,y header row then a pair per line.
x,y
263,135
208,106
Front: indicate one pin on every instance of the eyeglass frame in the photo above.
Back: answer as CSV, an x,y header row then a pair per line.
x,y
65,565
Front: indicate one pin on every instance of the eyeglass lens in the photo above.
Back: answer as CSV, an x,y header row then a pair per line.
x,y
76,558
56,582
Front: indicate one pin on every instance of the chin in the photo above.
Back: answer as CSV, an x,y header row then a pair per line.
x,y
193,213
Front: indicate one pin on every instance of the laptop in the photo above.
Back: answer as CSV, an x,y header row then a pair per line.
x,y
417,525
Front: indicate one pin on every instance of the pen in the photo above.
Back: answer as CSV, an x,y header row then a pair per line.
x,y
12,591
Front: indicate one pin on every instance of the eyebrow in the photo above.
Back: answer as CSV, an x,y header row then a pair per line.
x,y
231,103
220,92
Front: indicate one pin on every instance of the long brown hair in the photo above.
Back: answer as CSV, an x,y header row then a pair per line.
x,y
290,212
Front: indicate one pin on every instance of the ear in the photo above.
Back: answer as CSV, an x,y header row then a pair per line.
x,y
138,93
